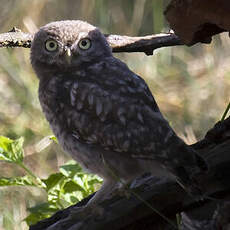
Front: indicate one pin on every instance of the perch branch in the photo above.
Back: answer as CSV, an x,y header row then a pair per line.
x,y
146,44
16,39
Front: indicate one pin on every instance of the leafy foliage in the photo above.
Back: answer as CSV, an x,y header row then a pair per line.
x,y
65,188
11,151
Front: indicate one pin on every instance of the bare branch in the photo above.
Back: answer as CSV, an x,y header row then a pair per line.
x,y
146,44
16,39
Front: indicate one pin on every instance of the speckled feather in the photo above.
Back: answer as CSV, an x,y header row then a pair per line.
x,y
97,107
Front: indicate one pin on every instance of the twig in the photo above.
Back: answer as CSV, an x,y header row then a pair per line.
x,y
146,44
16,39
225,112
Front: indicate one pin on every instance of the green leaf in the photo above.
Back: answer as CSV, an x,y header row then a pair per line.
x,y
70,169
86,183
54,184
65,188
11,150
53,180
73,192
22,181
53,138
95,183
17,148
72,186
40,212
72,198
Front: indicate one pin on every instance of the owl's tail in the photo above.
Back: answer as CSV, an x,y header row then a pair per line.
x,y
201,163
186,165
188,175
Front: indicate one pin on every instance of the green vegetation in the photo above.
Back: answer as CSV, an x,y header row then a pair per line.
x,y
65,188
190,84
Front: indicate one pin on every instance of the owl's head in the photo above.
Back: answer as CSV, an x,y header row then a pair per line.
x,y
65,45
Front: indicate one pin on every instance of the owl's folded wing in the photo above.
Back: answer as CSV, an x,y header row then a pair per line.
x,y
119,115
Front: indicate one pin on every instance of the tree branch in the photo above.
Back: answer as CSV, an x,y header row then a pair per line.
x,y
146,44
16,39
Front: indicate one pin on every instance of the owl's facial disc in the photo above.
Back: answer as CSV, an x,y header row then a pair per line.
x,y
67,45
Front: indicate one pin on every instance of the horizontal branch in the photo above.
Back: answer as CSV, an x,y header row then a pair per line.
x,y
146,44
165,196
16,39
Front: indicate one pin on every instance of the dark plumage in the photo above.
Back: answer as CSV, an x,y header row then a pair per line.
x,y
102,113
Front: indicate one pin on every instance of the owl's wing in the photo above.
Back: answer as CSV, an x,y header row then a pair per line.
x,y
117,111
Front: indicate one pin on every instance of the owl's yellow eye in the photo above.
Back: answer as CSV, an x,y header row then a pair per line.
x,y
84,44
51,45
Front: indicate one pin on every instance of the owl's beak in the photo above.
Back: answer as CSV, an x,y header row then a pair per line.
x,y
68,55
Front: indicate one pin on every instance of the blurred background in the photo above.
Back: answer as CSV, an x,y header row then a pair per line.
x,y
190,84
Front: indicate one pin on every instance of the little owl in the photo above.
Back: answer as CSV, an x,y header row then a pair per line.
x,y
102,113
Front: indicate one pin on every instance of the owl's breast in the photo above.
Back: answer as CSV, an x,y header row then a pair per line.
x,y
111,113
54,102
76,112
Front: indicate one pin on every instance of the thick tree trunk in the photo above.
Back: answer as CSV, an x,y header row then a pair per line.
x,y
197,21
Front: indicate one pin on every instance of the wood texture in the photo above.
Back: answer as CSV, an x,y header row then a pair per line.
x,y
118,43
197,21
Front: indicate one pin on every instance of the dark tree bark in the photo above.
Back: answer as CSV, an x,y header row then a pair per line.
x,y
197,21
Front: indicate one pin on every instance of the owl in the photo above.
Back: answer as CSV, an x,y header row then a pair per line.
x,y
102,113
